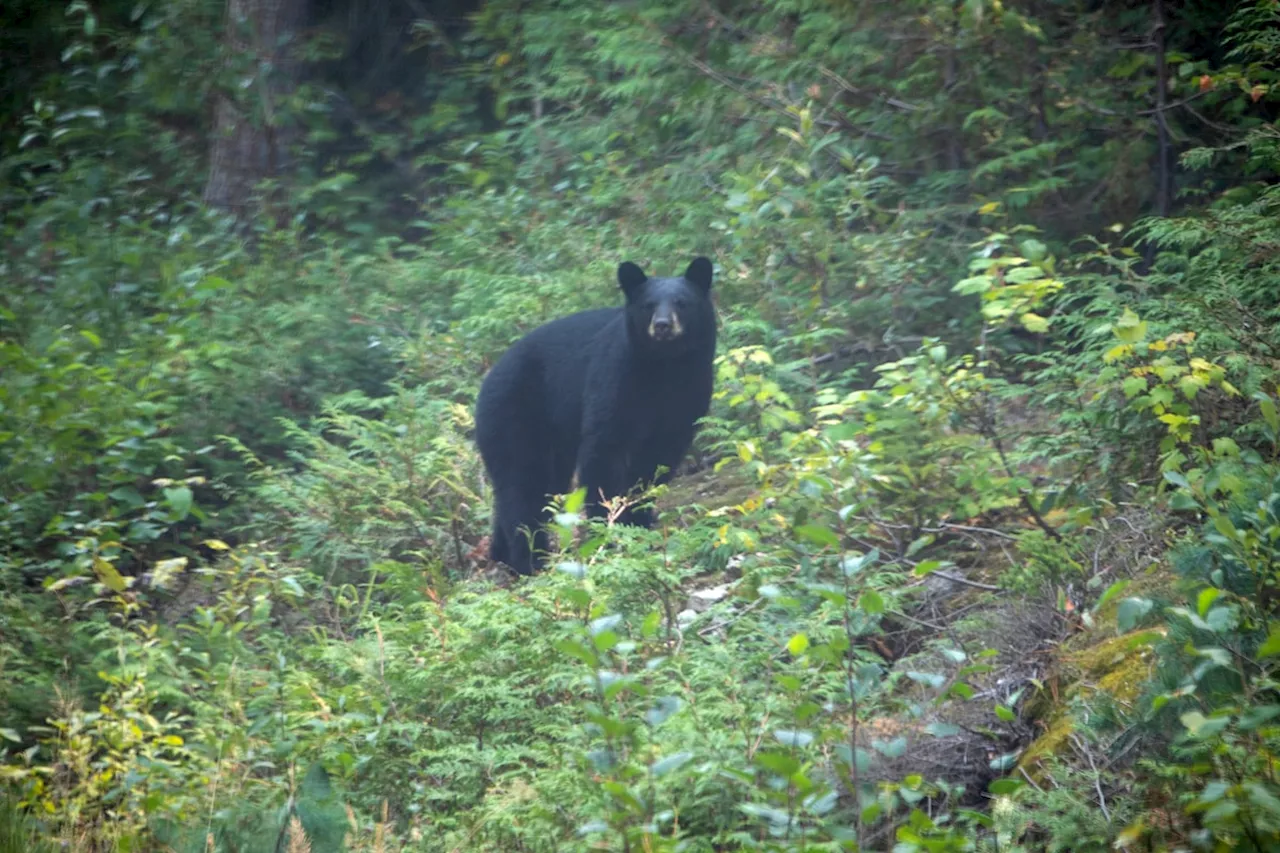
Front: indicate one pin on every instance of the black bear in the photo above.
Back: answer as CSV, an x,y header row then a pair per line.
x,y
610,395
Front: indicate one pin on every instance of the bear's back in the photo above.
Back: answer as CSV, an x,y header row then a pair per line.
x,y
539,380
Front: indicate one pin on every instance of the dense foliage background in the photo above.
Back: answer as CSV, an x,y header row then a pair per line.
x,y
981,546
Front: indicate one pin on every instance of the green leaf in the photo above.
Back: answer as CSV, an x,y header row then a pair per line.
x,y
798,644
929,679
1268,408
665,765
1200,726
1005,787
578,650
925,567
775,816
975,284
1258,715
1225,447
179,499
1190,385
1130,329
871,602
1111,592
1131,611
1206,597
1271,646
573,569
848,756
1133,386
1005,714
662,710
824,804
1033,250
817,535
793,737
1177,479
1221,619
1262,798
776,761
649,627
604,623
895,748
575,500
854,563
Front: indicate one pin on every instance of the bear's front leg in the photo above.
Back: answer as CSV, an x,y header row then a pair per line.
x,y
654,465
601,469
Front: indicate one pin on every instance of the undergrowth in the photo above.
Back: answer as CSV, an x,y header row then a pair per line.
x,y
981,551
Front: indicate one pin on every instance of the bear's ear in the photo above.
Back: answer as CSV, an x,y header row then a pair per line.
x,y
699,272
630,277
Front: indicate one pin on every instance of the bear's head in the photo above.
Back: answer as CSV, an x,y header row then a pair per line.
x,y
669,315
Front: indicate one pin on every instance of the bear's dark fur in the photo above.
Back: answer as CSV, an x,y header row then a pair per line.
x,y
610,395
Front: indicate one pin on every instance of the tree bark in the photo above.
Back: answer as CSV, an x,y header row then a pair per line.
x,y
250,136
1164,142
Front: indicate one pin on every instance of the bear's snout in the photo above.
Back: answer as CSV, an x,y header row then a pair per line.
x,y
665,325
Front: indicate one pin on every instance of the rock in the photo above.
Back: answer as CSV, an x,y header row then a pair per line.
x,y
701,600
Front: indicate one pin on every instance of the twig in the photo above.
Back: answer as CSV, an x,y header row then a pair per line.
x,y
947,526
716,626
1030,781
1097,777
964,580
917,620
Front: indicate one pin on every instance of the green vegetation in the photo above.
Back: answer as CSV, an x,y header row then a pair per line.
x,y
983,547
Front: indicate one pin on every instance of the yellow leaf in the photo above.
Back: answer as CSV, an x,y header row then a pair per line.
x,y
1130,835
163,573
1117,352
989,207
217,545
1034,322
107,573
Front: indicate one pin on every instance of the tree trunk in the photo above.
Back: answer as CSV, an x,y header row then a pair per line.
x,y
250,138
1164,141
